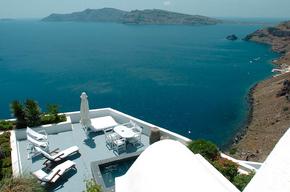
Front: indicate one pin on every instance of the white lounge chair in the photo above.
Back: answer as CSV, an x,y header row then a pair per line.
x,y
101,123
56,156
36,143
32,143
40,136
55,173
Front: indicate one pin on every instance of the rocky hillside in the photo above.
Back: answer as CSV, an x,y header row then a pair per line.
x,y
270,101
152,16
270,119
89,15
278,37
156,16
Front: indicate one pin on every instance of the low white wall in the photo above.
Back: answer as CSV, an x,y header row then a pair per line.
x,y
20,134
75,116
256,165
16,170
242,165
166,134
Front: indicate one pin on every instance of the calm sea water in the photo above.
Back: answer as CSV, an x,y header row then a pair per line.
x,y
187,79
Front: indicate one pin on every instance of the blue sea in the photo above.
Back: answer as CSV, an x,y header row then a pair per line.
x,y
188,79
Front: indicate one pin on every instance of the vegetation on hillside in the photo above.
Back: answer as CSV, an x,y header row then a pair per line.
x,y
5,156
6,125
21,184
226,167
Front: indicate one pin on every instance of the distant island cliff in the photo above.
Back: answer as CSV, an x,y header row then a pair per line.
x,y
269,116
278,37
148,16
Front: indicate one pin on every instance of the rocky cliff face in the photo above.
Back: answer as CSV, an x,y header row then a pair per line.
x,y
270,114
278,37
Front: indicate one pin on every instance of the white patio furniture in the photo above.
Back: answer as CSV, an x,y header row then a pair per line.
x,y
32,143
110,136
56,155
40,135
124,131
55,173
136,139
119,145
101,123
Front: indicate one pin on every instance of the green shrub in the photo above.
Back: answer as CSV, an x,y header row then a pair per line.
x,y
52,109
47,119
242,180
51,119
6,135
5,156
32,113
6,125
3,139
18,112
5,149
6,162
226,167
205,148
52,116
233,151
6,172
92,186
21,184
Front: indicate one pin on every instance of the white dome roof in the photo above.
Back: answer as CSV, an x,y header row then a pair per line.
x,y
170,166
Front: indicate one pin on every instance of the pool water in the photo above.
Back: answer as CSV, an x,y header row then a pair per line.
x,y
111,171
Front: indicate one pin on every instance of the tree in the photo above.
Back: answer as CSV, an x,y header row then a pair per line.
x,y
32,113
205,148
18,112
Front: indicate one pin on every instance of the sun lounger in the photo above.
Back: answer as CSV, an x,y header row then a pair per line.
x,y
55,173
101,123
36,143
41,135
56,156
32,144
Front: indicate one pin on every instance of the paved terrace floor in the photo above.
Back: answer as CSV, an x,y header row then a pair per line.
x,y
92,148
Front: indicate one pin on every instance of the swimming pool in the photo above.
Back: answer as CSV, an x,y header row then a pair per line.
x,y
105,171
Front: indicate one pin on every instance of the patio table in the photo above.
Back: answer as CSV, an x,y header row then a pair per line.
x,y
124,131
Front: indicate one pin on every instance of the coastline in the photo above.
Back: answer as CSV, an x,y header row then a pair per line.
x,y
243,129
269,111
268,119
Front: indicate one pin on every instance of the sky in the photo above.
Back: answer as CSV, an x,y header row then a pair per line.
x,y
213,8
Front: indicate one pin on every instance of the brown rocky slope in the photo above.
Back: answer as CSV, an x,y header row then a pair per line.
x,y
270,114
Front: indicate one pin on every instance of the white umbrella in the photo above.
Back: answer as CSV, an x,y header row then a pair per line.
x,y
85,114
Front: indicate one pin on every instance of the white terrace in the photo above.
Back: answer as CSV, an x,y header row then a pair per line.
x,y
92,147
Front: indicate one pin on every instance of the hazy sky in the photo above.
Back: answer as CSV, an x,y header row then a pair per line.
x,y
217,8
